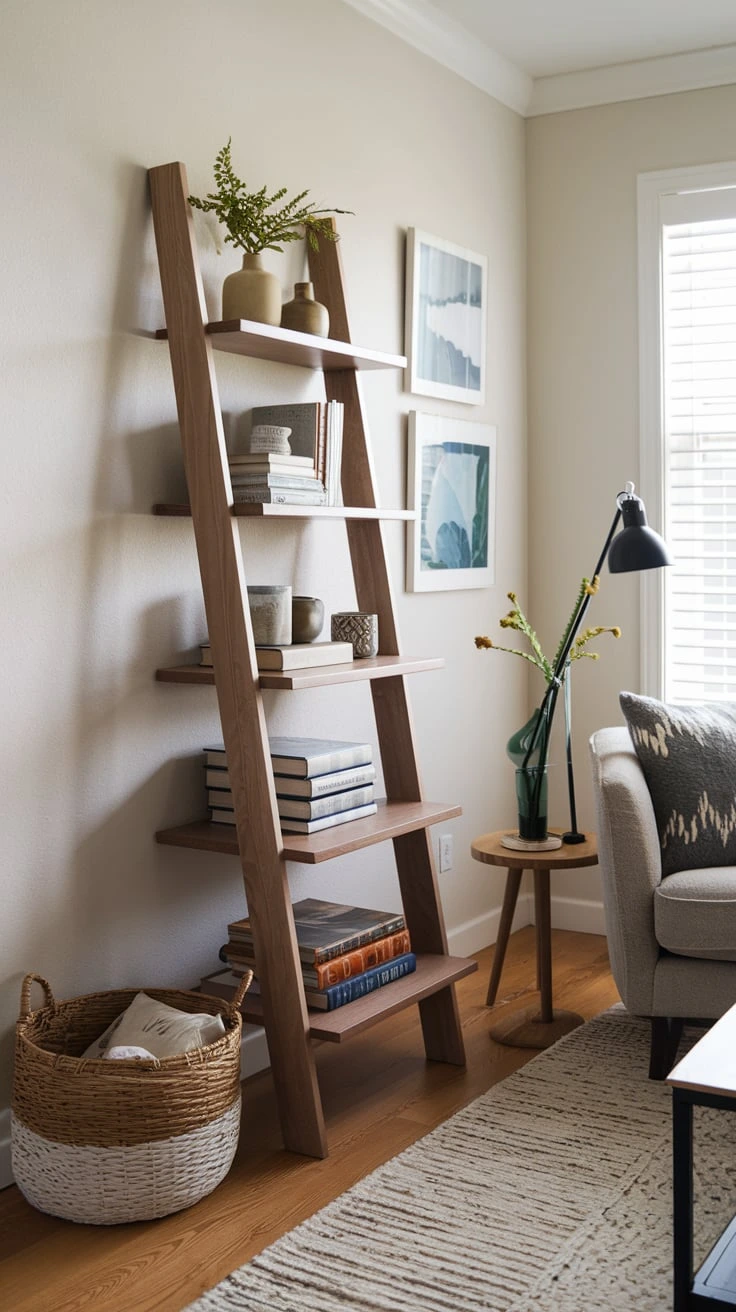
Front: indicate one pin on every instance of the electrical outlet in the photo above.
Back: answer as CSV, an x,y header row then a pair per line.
x,y
445,852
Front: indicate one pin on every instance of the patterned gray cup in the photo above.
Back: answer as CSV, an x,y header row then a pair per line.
x,y
358,627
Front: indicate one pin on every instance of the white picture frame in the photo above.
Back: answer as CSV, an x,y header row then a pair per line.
x,y
446,314
452,488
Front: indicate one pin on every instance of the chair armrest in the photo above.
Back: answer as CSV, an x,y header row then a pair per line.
x,y
630,862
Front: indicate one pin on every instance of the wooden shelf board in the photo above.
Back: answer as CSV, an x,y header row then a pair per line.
x,y
432,974
318,676
391,819
248,510
261,341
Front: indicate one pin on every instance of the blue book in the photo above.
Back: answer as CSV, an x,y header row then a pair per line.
x,y
337,995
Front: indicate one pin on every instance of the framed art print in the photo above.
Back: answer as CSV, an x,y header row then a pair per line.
x,y
452,487
446,315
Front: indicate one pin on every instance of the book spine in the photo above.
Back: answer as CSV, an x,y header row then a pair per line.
x,y
324,784
241,938
215,778
357,962
352,989
324,806
289,826
219,817
273,497
306,767
288,482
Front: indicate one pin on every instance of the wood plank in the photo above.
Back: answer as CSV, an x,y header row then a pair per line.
x,y
414,855
391,819
233,651
318,676
431,974
246,510
378,1102
261,341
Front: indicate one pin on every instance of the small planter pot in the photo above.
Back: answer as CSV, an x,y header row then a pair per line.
x,y
304,314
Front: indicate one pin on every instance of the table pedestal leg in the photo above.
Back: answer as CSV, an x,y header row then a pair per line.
x,y
538,1026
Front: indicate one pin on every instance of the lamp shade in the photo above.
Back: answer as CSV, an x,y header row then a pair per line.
x,y
637,546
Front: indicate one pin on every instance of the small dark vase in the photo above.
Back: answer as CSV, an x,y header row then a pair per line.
x,y
304,314
307,618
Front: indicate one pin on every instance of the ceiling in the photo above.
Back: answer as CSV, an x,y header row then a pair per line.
x,y
542,56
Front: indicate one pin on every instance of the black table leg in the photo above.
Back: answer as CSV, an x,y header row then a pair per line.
x,y
682,1199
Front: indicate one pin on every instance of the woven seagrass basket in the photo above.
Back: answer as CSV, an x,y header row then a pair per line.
x,y
103,1141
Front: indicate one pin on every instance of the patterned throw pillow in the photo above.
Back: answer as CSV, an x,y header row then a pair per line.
x,y
688,755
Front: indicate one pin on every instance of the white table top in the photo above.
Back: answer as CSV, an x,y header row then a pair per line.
x,y
710,1067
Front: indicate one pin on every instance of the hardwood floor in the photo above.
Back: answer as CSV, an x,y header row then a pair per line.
x,y
379,1096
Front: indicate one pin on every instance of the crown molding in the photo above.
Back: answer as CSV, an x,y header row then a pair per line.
x,y
424,27
634,81
421,25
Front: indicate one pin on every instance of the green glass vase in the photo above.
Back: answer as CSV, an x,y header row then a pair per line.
x,y
531,775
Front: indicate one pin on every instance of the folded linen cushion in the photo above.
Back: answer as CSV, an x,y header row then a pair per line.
x,y
162,1030
688,756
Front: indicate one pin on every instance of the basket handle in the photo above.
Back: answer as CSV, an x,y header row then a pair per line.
x,y
233,1006
25,994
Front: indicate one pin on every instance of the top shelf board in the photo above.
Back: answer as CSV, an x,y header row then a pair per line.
x,y
261,341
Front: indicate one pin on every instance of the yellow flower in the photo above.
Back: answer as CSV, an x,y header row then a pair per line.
x,y
482,642
592,587
616,631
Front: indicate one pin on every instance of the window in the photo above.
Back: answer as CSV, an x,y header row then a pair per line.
x,y
687,266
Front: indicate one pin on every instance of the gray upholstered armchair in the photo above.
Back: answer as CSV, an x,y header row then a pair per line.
x,y
672,942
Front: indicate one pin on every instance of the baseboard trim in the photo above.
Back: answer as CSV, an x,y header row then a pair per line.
x,y
579,914
482,931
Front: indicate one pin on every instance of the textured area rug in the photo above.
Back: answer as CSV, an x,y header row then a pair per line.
x,y
551,1192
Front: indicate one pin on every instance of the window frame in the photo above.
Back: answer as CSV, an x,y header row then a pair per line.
x,y
653,191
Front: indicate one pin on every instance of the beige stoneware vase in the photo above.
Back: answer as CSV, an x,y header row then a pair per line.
x,y
252,293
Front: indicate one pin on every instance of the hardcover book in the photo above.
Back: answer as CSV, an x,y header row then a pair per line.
x,y
270,464
325,930
278,496
289,826
322,786
240,957
296,809
303,418
307,757
357,987
304,655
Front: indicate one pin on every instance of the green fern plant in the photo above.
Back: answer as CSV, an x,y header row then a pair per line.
x,y
254,220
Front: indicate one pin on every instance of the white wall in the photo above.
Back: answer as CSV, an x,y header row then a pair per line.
x,y
96,592
583,374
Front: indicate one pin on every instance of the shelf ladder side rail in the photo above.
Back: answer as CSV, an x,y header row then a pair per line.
x,y
414,858
231,639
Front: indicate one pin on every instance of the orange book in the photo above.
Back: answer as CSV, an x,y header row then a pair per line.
x,y
340,968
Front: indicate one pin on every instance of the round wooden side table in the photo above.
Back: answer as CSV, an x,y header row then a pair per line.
x,y
534,1027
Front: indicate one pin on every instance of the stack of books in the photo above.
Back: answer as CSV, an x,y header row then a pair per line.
x,y
316,435
319,783
279,480
345,952
295,656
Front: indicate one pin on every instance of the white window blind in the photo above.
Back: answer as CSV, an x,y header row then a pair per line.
x,y
698,353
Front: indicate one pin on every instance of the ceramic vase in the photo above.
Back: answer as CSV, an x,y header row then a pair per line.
x,y
270,614
304,314
307,618
252,293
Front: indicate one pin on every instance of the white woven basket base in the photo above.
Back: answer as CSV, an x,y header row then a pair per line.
x,y
103,1186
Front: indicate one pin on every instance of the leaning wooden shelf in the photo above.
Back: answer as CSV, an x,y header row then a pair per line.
x,y
432,973
318,676
246,510
256,838
260,341
391,820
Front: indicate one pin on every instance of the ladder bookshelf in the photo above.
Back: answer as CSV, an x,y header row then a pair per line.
x,y
256,837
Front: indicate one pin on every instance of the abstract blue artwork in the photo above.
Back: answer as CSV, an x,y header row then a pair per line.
x,y
445,319
452,476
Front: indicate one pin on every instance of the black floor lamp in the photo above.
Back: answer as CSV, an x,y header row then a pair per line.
x,y
637,547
